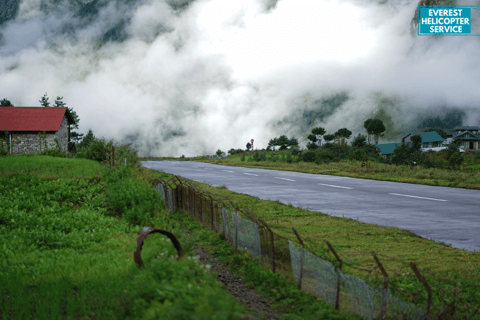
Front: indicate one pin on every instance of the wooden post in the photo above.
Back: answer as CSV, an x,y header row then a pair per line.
x,y
302,258
339,269
211,215
413,266
383,308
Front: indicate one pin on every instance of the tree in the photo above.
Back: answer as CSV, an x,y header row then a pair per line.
x,y
455,159
292,142
343,134
44,101
272,143
359,141
220,153
319,131
6,103
375,127
282,141
59,102
75,137
249,145
87,139
312,144
329,137
416,142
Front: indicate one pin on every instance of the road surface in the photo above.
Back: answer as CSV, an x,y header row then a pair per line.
x,y
449,215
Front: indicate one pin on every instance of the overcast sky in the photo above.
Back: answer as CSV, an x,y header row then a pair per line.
x,y
190,77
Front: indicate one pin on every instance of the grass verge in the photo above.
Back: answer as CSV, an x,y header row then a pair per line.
x,y
452,273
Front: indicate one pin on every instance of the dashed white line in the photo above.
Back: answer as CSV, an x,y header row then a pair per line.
x,y
251,174
406,195
331,185
227,170
284,179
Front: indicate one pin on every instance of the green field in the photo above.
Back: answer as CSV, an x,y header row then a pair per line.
x,y
68,230
453,274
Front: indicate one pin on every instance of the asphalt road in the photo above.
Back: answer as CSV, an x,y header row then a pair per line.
x,y
449,215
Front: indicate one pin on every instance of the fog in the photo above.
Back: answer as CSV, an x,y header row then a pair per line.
x,y
190,77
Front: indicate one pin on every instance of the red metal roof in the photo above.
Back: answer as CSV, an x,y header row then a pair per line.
x,y
33,118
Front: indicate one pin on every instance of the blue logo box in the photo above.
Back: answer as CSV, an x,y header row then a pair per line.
x,y
445,21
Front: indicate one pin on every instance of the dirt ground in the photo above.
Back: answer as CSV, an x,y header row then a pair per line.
x,y
234,284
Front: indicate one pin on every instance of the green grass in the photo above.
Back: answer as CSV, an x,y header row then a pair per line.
x,y
453,274
68,241
49,166
68,231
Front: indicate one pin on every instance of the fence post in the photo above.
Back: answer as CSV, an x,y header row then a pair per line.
x,y
272,247
413,266
339,272
383,308
302,258
211,215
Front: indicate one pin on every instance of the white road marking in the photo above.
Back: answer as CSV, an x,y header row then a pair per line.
x,y
406,195
331,185
285,179
227,170
251,174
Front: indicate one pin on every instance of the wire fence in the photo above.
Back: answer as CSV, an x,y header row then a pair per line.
x,y
313,274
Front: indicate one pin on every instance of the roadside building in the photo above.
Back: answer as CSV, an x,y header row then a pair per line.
x,y
25,126
429,139
469,137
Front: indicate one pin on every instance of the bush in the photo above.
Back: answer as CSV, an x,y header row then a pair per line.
x,y
259,156
98,150
101,151
359,155
55,153
133,200
3,152
308,156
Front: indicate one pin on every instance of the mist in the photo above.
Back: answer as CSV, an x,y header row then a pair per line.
x,y
190,77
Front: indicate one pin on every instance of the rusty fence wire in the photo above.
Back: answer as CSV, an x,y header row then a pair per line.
x,y
312,273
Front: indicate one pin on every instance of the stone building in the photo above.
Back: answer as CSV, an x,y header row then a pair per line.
x,y
25,127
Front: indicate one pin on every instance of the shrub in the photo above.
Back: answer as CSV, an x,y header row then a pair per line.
x,y
133,200
308,156
3,152
359,155
259,156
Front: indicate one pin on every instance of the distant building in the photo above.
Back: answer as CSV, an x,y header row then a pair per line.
x,y
429,139
469,137
387,148
25,123
432,141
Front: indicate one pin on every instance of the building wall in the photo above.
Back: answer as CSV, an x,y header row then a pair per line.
x,y
29,142
62,135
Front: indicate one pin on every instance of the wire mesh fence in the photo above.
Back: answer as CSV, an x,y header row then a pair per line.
x,y
313,274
